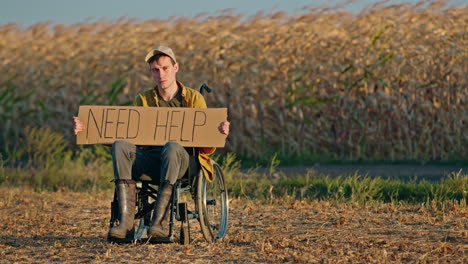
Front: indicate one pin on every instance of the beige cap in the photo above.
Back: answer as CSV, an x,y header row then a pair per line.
x,y
160,50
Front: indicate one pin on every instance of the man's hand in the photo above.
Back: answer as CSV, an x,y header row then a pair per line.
x,y
79,126
224,128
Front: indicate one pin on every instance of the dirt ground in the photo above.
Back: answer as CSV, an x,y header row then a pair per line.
x,y
69,227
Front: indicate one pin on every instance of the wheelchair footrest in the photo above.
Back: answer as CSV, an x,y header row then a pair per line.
x,y
162,240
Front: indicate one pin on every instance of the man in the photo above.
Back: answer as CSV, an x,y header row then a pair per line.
x,y
169,162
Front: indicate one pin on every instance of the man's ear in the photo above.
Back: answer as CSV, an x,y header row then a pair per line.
x,y
176,67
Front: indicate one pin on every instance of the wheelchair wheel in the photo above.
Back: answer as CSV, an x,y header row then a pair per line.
x,y
212,205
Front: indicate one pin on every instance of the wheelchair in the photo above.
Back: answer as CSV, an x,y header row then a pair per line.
x,y
208,203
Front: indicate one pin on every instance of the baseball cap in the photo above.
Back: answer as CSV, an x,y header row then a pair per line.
x,y
161,50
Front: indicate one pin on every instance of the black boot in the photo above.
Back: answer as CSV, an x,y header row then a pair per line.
x,y
160,211
126,196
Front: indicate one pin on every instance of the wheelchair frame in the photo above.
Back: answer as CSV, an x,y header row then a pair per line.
x,y
211,207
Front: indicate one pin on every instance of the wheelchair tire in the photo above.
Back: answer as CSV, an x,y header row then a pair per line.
x,y
212,205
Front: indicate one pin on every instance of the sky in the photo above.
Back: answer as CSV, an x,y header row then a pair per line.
x,y
28,12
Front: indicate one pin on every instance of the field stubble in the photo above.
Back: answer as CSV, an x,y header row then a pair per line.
x,y
70,227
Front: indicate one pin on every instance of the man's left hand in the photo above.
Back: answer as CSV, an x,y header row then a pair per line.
x,y
224,128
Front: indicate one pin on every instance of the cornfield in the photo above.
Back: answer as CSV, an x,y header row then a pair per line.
x,y
389,83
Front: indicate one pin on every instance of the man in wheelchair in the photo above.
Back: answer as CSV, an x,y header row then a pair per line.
x,y
165,164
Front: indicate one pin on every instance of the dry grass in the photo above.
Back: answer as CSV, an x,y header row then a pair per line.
x,y
69,227
386,84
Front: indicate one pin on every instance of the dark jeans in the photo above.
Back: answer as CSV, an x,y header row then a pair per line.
x,y
166,163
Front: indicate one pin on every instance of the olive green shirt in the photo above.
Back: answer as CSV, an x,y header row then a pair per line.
x,y
174,102
190,97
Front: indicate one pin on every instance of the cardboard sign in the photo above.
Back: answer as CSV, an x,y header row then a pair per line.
x,y
190,127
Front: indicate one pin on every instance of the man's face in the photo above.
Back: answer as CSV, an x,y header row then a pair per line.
x,y
163,72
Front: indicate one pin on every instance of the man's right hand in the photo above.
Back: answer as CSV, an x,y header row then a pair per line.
x,y
79,126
